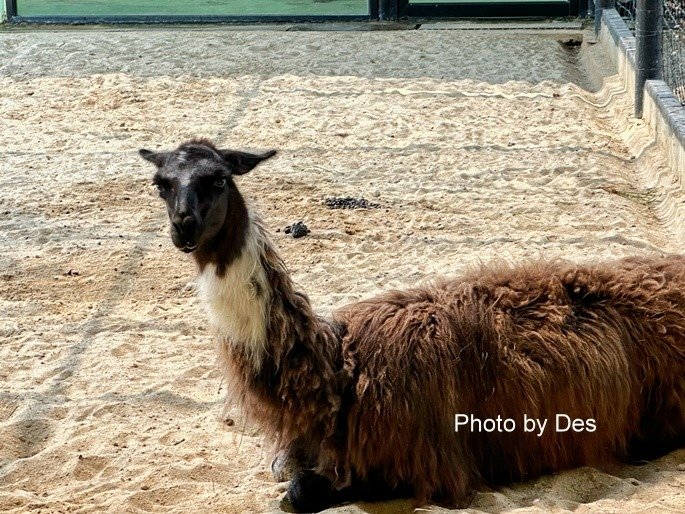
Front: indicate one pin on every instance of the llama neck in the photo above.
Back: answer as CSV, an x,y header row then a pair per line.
x,y
237,296
252,305
231,240
269,339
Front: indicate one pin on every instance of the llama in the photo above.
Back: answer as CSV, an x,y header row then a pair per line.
x,y
384,397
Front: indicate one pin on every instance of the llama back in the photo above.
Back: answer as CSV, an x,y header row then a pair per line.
x,y
602,344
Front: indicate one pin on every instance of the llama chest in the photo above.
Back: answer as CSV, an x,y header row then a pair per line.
x,y
236,305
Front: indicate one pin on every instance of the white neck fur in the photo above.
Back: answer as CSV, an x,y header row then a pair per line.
x,y
238,303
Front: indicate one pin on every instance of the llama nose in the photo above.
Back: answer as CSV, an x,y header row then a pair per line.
x,y
188,222
185,224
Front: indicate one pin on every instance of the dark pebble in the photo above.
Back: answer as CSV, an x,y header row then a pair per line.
x,y
297,230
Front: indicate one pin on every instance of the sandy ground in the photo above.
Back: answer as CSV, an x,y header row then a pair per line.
x,y
477,145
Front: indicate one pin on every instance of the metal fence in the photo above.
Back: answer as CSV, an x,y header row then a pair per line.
x,y
672,42
626,8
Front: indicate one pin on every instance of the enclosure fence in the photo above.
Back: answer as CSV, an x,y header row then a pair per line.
x,y
626,8
673,41
672,61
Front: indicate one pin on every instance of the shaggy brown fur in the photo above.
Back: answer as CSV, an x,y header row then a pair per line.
x,y
374,390
297,391
605,342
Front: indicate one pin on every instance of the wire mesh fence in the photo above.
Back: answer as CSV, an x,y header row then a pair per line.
x,y
673,41
673,44
626,8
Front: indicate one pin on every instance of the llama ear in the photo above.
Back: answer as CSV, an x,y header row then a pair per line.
x,y
241,162
155,158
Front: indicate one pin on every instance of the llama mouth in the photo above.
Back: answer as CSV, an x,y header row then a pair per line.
x,y
189,248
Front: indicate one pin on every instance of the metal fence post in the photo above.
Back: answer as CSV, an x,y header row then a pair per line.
x,y
10,9
648,28
387,10
600,5
588,10
373,9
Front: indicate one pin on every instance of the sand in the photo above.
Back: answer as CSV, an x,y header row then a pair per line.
x,y
476,145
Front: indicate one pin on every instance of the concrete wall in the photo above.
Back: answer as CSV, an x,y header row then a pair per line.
x,y
619,43
662,111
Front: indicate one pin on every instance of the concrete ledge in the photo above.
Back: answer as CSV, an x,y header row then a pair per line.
x,y
503,25
662,111
348,26
620,33
619,43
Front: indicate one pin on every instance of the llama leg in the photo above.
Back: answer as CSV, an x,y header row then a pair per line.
x,y
310,492
299,455
662,428
284,467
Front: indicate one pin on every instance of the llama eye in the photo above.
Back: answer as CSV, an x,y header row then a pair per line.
x,y
220,183
162,187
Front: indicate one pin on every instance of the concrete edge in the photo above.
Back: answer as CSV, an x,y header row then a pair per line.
x,y
620,33
666,115
550,27
619,43
663,112
502,25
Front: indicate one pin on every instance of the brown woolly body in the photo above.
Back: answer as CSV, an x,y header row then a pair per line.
x,y
378,387
605,342
373,392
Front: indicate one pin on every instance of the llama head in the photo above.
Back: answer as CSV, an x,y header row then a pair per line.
x,y
195,181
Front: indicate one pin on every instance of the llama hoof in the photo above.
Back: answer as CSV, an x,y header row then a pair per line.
x,y
309,492
284,466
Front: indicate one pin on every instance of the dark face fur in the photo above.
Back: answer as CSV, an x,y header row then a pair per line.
x,y
195,181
